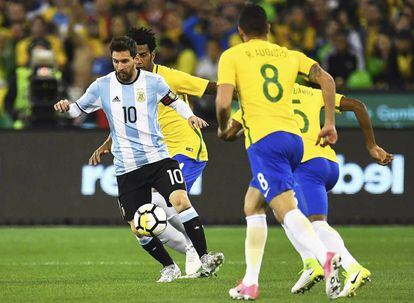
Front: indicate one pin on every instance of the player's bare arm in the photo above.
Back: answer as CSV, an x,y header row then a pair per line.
x,y
211,89
328,132
377,153
197,122
104,149
62,106
234,130
223,105
184,110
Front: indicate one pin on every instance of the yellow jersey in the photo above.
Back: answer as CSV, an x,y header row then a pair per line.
x,y
178,135
263,74
307,105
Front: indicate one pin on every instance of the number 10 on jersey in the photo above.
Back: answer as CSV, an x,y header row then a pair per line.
x,y
130,114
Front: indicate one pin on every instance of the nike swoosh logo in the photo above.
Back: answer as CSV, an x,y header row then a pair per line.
x,y
266,193
356,277
311,273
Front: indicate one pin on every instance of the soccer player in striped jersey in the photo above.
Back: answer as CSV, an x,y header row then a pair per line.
x,y
264,75
129,98
186,145
316,175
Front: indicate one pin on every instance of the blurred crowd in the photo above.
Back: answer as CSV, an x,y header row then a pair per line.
x,y
364,44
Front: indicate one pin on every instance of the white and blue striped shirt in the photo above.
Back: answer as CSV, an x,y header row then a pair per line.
x,y
132,112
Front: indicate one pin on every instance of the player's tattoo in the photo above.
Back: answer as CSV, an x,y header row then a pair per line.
x,y
315,72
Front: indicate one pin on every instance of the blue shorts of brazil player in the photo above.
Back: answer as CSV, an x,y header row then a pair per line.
x,y
315,178
273,160
190,168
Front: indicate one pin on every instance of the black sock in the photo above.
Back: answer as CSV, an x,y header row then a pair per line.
x,y
156,249
195,232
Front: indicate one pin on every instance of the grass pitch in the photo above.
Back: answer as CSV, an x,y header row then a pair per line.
x,y
83,264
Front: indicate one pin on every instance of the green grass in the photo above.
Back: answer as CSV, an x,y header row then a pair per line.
x,y
76,264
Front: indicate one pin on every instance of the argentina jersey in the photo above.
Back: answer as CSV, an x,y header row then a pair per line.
x,y
131,110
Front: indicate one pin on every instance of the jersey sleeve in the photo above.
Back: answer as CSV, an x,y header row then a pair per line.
x,y
338,98
164,93
237,116
305,63
91,100
188,84
162,88
226,70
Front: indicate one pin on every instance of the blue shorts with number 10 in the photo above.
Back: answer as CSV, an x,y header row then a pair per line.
x,y
190,168
273,159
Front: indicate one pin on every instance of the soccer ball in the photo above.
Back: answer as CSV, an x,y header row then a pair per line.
x,y
150,220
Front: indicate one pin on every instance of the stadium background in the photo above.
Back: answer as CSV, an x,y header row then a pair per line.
x,y
55,49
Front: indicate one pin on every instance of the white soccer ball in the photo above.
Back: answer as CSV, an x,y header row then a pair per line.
x,y
150,220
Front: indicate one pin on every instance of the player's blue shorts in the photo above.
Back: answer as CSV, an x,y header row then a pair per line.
x,y
314,179
190,168
273,160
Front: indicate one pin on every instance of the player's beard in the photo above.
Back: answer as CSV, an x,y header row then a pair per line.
x,y
125,75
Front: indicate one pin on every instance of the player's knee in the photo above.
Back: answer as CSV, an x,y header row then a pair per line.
x,y
179,199
254,209
283,203
254,204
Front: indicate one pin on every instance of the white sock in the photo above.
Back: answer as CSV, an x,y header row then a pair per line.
x,y
302,231
143,240
159,200
172,216
175,221
256,235
333,242
173,239
303,252
188,214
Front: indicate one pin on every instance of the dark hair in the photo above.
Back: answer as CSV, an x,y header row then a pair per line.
x,y
143,36
253,20
124,43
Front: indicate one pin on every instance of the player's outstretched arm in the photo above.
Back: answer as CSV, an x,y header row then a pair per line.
x,y
360,110
64,106
319,76
184,110
234,130
104,149
211,89
223,105
197,122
